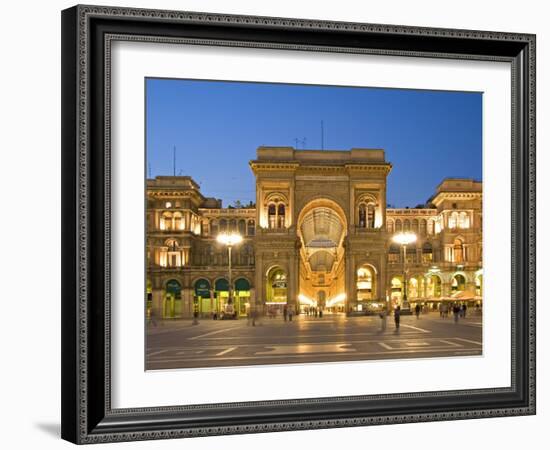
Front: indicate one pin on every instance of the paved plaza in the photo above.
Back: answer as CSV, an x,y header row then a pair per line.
x,y
218,343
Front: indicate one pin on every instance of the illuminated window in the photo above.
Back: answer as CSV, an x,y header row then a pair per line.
x,y
281,216
166,222
458,251
276,214
242,227
214,230
423,226
251,228
398,226
453,220
223,226
365,284
463,220
427,253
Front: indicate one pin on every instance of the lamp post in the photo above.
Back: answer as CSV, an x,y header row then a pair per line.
x,y
229,240
405,239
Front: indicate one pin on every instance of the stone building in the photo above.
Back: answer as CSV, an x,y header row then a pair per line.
x,y
319,235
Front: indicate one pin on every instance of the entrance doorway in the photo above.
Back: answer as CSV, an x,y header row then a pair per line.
x,y
172,300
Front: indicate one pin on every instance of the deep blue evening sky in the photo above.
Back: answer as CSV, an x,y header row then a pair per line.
x,y
217,126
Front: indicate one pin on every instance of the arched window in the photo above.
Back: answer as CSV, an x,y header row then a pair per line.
x,y
214,230
365,284
362,222
458,251
398,226
370,215
179,223
272,215
394,253
390,226
427,253
166,221
463,220
433,286
407,225
251,228
232,226
242,227
276,288
281,216
453,220
458,284
423,227
366,215
223,226
431,226
415,225
173,253
276,213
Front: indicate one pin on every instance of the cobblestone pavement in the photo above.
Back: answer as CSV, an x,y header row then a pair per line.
x,y
222,343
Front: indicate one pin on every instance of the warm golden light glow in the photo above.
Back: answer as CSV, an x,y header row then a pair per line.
x,y
229,239
305,300
340,298
404,238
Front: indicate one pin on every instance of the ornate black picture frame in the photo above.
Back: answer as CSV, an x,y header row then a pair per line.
x,y
87,414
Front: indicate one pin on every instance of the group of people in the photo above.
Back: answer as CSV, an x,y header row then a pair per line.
x,y
458,310
313,311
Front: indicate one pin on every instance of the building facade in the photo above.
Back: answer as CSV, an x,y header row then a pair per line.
x,y
319,235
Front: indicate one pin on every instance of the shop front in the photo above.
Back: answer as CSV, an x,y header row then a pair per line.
x,y
172,300
242,296
204,304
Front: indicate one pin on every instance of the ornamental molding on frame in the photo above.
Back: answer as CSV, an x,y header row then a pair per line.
x,y
86,12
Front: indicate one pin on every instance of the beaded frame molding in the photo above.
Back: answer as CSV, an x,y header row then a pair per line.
x,y
87,35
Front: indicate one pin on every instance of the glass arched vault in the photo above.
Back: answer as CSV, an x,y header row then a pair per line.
x,y
322,227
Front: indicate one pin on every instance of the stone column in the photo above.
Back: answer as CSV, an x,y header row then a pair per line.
x,y
382,287
187,303
158,295
351,295
259,284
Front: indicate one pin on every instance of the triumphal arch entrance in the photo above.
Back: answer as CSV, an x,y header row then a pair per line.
x,y
321,242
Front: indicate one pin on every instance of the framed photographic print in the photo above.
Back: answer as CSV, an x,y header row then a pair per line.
x,y
279,224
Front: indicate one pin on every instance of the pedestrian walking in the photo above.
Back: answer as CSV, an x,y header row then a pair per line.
x,y
464,308
397,317
456,312
290,312
417,311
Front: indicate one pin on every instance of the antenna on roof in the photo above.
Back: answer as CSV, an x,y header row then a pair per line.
x,y
322,135
296,140
174,160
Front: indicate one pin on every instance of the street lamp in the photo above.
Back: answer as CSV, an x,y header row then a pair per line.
x,y
405,239
229,240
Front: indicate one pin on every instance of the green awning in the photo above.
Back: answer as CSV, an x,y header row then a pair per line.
x,y
242,284
173,287
222,285
202,288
